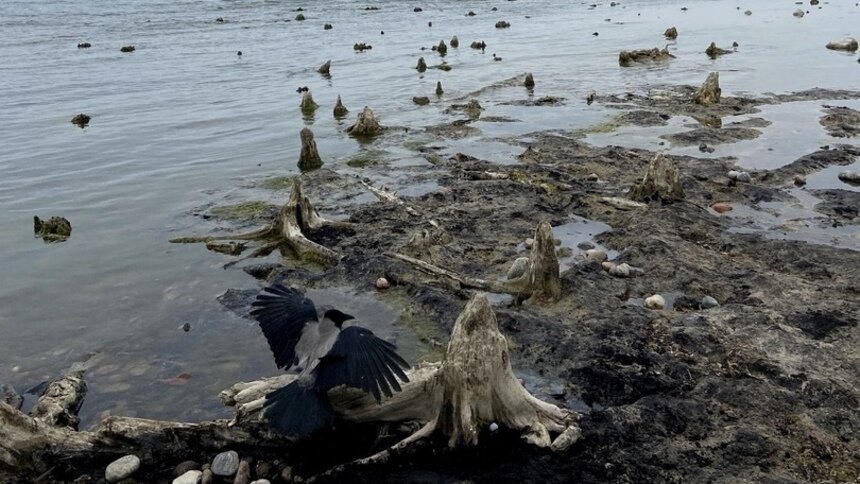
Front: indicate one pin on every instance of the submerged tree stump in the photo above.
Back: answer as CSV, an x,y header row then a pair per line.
x,y
422,65
661,183
627,57
365,124
325,68
530,81
709,93
309,158
340,110
308,106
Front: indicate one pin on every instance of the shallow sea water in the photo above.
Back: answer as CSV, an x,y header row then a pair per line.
x,y
183,123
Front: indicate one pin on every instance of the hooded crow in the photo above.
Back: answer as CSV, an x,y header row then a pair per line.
x,y
326,354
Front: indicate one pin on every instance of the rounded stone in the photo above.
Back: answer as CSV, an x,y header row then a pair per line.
x,y
190,477
655,302
585,245
607,266
708,302
122,468
518,268
596,254
225,463
799,180
620,270
382,283
185,466
529,243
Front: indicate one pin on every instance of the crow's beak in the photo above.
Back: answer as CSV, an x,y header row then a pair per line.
x,y
347,317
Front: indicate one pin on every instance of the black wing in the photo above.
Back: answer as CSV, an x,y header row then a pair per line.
x,y
282,313
361,360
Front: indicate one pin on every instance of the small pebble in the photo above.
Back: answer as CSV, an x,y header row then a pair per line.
x,y
122,468
585,245
740,176
261,481
243,475
190,477
186,327
529,243
596,254
708,302
287,474
494,426
208,477
721,207
620,270
382,283
655,302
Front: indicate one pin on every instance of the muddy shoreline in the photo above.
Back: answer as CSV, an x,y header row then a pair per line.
x,y
763,388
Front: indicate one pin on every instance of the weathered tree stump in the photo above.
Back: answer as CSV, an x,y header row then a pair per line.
x,y
455,42
340,110
627,57
671,33
55,229
439,90
713,51
365,124
325,68
661,183
530,81
309,157
442,49
308,106
709,93
422,65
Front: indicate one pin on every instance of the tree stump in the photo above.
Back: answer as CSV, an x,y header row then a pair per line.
x,y
325,68
308,106
530,81
422,65
365,124
309,157
661,183
340,110
709,93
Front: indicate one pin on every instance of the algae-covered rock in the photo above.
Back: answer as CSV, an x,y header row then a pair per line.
x,y
421,100
55,229
709,93
442,49
309,158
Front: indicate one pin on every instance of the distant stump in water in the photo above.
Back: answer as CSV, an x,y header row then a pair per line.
x,y
308,106
421,100
339,109
530,81
300,17
709,93
713,51
671,33
365,125
127,48
327,27
325,68
84,45
309,158
422,65
662,182
501,24
442,49
81,120
439,90
455,42
627,57
361,47
848,44
55,229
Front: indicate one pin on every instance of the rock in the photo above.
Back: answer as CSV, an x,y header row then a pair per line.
x,y
590,97
308,106
721,207
263,469
740,176
455,42
606,266
327,27
261,481
239,53
704,148
81,120
84,45
585,245
442,49
208,477
243,474
620,270
471,14
850,176
530,81
189,477
220,20
564,252
671,33
225,464
478,45
309,157
439,90
365,124
422,66
361,47
185,466
713,51
661,182
709,93
592,177
325,68
799,13
382,283
339,109
799,180
287,474
55,229
417,9
626,57
421,100
501,24
748,12
847,44
300,17
655,302
127,48
528,243
708,302
473,108
518,268
186,327
122,468
596,254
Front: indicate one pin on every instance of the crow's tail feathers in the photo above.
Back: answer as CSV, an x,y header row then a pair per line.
x,y
297,411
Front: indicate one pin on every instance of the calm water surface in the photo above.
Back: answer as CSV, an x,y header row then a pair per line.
x,y
184,123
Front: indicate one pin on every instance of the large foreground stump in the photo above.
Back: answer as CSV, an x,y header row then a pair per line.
x,y
661,183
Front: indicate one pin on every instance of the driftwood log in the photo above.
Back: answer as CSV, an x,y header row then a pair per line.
x,y
297,218
469,391
539,282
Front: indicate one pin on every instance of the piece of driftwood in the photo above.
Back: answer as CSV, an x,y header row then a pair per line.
x,y
539,282
471,389
297,218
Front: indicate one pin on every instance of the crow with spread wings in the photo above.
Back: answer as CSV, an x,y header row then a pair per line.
x,y
326,354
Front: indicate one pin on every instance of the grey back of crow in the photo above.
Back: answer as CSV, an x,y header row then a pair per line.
x,y
328,354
